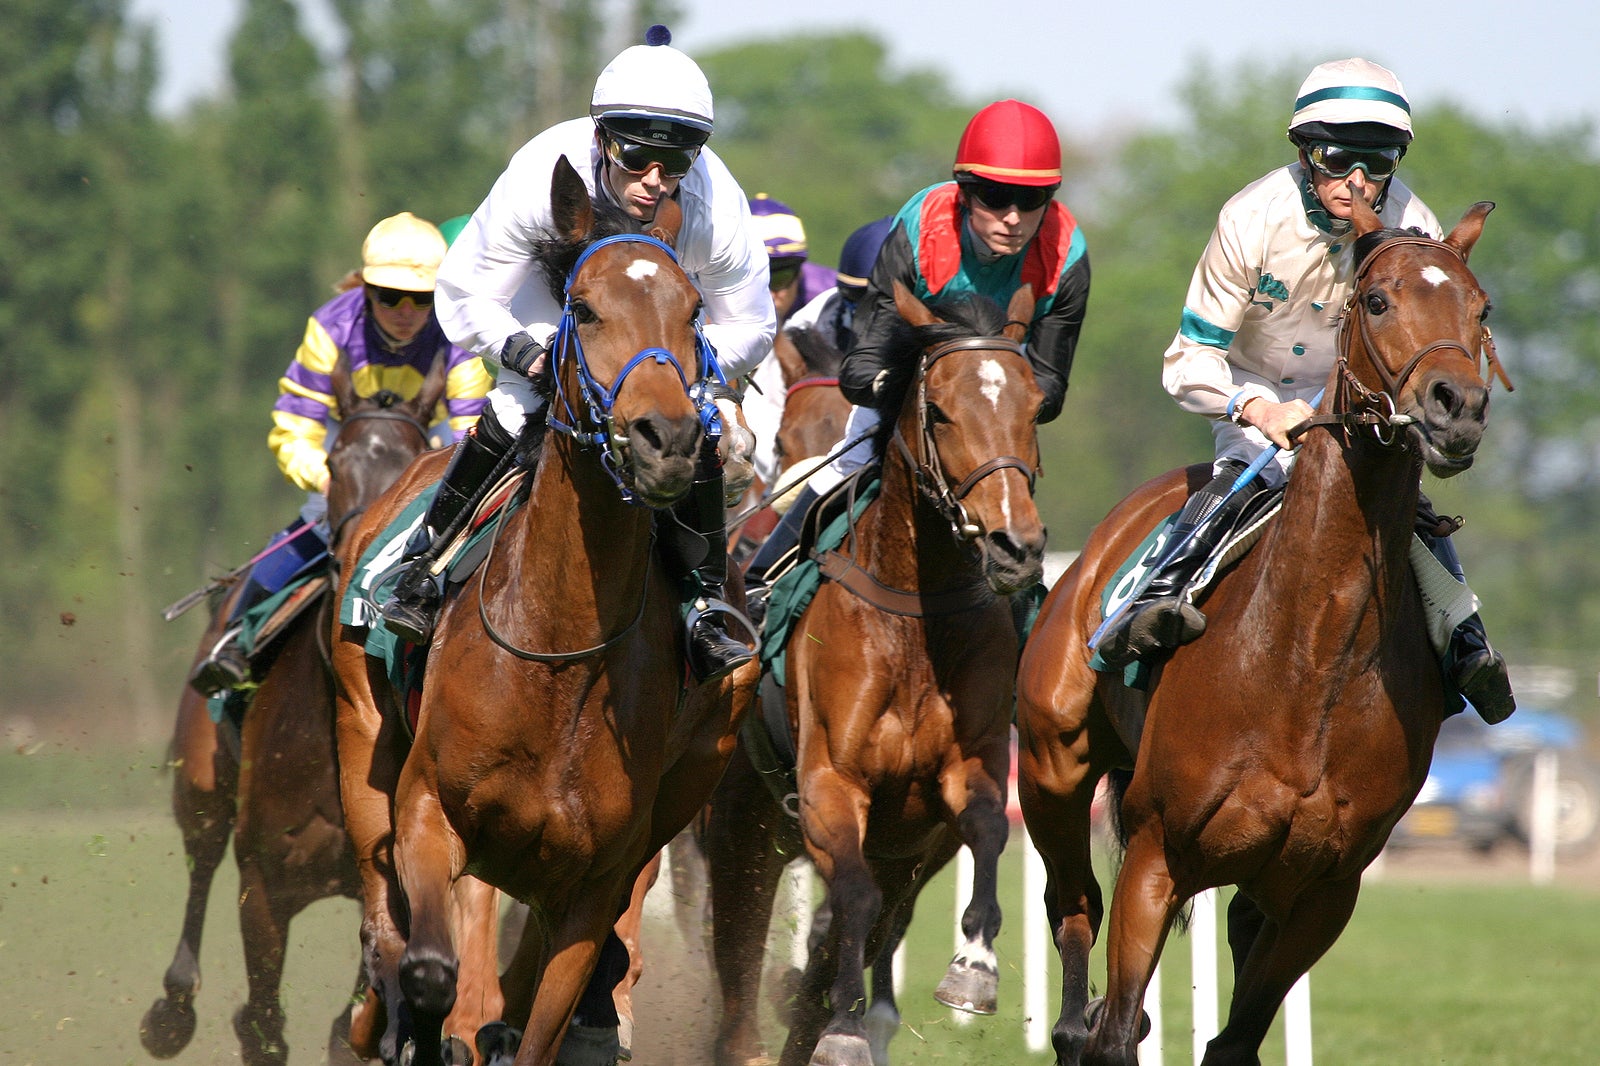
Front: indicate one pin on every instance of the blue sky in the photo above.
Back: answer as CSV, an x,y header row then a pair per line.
x,y
1096,66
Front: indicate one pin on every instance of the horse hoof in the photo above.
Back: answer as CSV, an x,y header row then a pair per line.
x,y
838,1049
624,1039
167,1028
586,1045
882,1022
497,1044
1097,1006
969,988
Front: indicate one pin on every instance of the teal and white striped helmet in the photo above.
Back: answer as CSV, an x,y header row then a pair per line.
x,y
1353,102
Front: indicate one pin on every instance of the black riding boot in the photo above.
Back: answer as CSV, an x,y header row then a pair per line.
x,y
225,665
1160,619
1474,667
409,612
694,546
770,557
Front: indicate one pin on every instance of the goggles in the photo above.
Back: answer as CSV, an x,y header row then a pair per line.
x,y
638,158
1338,161
392,298
783,272
997,196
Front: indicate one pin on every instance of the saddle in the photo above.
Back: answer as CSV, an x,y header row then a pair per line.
x,y
259,630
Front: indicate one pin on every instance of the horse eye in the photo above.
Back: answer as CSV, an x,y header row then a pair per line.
x,y
1483,316
1376,305
936,416
583,312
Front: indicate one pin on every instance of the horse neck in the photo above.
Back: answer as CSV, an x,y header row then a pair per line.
x,y
1343,538
575,529
902,536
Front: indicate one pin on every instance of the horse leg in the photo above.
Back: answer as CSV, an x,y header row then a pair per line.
x,y
742,827
475,919
628,929
426,864
1142,910
204,784
883,1016
972,982
340,1037
264,928
574,951
1279,954
371,753
1074,906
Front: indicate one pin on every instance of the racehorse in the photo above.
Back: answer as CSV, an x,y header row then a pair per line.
x,y
899,696
556,748
1276,752
270,782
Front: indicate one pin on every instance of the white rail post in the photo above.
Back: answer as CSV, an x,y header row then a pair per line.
x,y
1542,818
1036,950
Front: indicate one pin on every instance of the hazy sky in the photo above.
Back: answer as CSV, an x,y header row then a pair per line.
x,y
1095,65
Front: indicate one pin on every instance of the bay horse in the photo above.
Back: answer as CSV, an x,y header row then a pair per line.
x,y
1276,752
556,746
269,783
899,693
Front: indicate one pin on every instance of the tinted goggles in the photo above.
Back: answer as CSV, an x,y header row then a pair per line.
x,y
638,158
783,272
1337,161
997,196
394,297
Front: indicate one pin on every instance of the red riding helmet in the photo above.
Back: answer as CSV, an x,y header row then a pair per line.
x,y
1012,143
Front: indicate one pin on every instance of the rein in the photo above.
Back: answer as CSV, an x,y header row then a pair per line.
x,y
594,426
385,414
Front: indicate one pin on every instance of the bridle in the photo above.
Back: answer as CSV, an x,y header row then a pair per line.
x,y
385,411
587,418
1355,406
929,472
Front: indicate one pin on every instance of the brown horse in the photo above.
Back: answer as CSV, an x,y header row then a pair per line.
x,y
556,748
899,694
1278,751
270,784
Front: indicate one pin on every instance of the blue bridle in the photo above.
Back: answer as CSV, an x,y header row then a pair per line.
x,y
598,400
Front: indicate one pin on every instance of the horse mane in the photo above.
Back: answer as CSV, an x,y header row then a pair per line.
x,y
822,359
1368,243
556,254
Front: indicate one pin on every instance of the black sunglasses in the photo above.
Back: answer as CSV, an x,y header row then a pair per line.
x,y
997,196
1338,161
637,158
782,275
392,298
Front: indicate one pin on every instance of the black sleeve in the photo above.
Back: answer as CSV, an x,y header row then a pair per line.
x,y
875,323
1054,337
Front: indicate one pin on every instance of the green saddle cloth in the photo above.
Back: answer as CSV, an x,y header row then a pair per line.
x,y
231,703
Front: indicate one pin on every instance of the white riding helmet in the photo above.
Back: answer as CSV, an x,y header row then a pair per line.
x,y
652,93
402,252
1353,102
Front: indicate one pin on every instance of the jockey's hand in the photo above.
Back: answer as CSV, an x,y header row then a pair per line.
x,y
523,354
737,445
1275,420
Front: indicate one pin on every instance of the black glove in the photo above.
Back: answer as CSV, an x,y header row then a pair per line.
x,y
520,353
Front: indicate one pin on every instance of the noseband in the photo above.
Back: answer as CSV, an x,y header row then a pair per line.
x,y
929,472
591,424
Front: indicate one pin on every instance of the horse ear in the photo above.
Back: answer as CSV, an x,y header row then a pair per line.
x,y
344,390
1469,229
1364,219
911,309
790,361
1019,313
432,391
668,220
570,206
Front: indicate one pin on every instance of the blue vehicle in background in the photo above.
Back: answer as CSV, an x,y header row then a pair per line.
x,y
1479,789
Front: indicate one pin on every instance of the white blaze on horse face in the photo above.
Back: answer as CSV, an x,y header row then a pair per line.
x,y
1434,275
992,380
640,269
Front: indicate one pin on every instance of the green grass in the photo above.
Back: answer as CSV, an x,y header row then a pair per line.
x,y
91,894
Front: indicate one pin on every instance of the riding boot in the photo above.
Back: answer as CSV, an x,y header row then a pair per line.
x,y
410,610
1161,618
769,559
694,546
1473,666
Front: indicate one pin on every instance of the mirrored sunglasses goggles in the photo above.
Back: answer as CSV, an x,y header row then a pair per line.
x,y
783,272
392,298
638,158
1338,160
997,196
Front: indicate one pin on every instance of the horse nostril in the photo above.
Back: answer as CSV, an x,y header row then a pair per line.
x,y
1446,396
645,436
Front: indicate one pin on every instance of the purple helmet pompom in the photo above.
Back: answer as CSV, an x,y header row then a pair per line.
x,y
657,35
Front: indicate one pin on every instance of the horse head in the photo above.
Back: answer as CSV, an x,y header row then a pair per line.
x,y
968,430
378,437
814,410
629,344
1414,337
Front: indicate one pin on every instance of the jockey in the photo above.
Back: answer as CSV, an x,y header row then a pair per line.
x,y
644,139
1259,335
794,281
991,230
382,322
